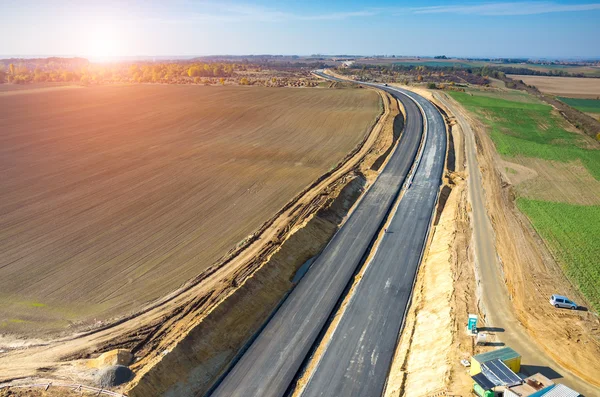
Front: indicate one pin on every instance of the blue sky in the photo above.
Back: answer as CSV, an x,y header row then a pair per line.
x,y
186,27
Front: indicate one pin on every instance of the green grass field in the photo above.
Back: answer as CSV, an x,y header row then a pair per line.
x,y
531,129
571,231
441,64
583,105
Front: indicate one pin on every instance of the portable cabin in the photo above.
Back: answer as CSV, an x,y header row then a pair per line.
x,y
508,356
494,378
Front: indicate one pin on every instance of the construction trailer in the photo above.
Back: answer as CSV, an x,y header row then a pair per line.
x,y
494,378
508,356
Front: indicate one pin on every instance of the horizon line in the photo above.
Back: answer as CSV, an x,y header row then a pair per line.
x,y
324,55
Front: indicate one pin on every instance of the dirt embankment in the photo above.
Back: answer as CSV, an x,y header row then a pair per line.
x,y
433,339
571,338
190,365
464,299
198,360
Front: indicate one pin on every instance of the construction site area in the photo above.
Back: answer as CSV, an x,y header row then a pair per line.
x,y
348,238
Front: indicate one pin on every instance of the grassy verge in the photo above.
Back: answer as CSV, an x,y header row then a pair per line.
x,y
530,129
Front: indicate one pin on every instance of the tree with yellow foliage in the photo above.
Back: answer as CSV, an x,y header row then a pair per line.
x,y
11,73
194,71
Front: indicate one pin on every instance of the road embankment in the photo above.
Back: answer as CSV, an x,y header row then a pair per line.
x,y
194,363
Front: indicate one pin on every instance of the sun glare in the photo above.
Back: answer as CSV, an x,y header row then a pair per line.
x,y
103,42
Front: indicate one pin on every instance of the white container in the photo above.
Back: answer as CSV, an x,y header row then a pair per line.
x,y
481,339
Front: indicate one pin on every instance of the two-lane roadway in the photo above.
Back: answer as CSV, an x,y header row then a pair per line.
x,y
271,362
358,356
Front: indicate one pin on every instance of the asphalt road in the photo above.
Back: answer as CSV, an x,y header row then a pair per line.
x,y
494,295
358,356
273,359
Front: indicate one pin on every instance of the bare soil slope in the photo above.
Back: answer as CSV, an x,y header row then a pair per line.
x,y
113,196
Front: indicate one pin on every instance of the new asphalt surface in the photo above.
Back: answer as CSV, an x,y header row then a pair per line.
x,y
271,362
358,356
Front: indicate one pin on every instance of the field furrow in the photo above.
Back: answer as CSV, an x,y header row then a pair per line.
x,y
113,196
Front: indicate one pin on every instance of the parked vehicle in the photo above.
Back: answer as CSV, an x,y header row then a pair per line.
x,y
562,301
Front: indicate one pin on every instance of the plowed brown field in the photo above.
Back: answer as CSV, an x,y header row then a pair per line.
x,y
572,87
111,197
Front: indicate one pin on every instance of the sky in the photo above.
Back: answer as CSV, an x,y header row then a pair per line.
x,y
109,28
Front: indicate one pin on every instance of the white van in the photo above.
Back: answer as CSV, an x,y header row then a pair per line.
x,y
562,301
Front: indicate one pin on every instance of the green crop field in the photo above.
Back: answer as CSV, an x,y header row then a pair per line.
x,y
529,129
583,105
440,64
571,232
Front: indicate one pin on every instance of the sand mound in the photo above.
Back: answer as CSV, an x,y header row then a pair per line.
x,y
113,357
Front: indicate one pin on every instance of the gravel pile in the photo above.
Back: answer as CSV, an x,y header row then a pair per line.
x,y
114,375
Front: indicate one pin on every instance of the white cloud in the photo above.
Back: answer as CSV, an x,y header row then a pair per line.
x,y
238,12
505,9
338,15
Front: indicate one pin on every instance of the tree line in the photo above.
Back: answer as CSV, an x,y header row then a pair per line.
x,y
495,71
75,70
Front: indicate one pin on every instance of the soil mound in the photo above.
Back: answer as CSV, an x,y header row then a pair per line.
x,y
113,357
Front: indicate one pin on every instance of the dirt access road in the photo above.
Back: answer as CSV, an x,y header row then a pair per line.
x,y
495,301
